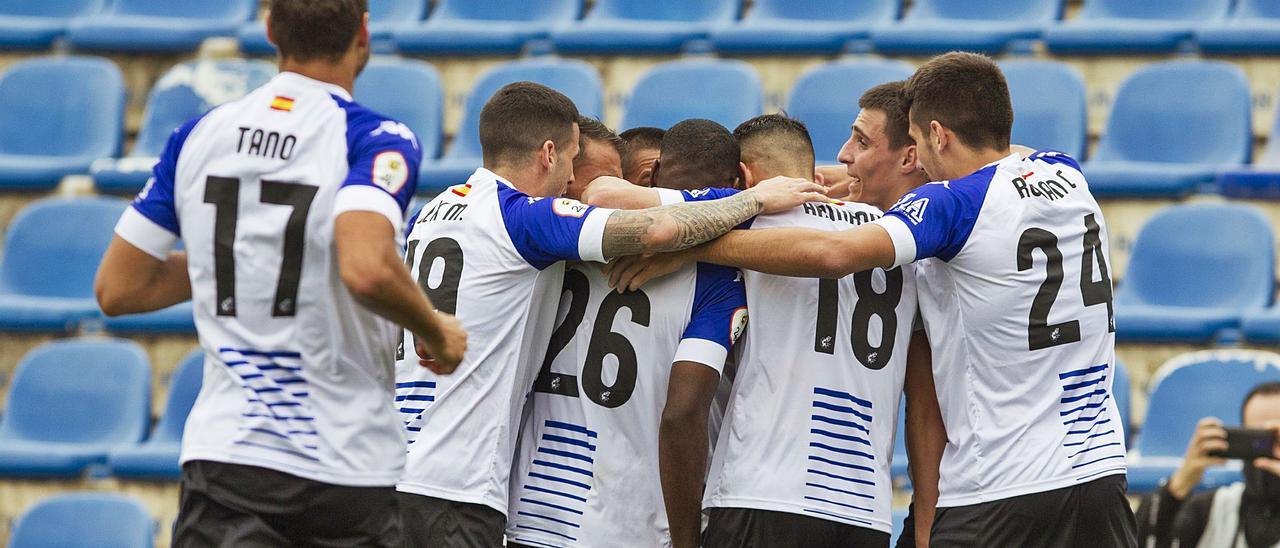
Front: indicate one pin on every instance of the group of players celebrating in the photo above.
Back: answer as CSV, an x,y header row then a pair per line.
x,y
545,398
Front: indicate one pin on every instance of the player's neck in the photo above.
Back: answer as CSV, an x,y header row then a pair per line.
x,y
519,178
967,161
338,74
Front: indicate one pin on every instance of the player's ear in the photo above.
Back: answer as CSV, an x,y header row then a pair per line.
x,y
362,37
938,135
907,163
745,176
547,155
653,173
819,178
270,28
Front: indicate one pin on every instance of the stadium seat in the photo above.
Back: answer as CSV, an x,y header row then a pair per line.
x,y
1187,389
728,92
1133,26
85,520
899,522
159,26
385,16
898,468
1048,106
58,115
35,24
1252,29
485,27
51,253
184,92
72,402
986,26
826,99
1172,127
814,27
383,85
1194,270
1260,180
1121,390
576,79
652,27
157,458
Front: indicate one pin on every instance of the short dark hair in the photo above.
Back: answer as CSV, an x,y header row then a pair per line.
x,y
888,98
520,117
304,30
1269,388
776,140
965,92
638,139
591,129
698,153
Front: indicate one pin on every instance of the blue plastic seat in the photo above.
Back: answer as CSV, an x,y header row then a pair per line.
x,y
651,27
70,404
1173,126
1252,29
51,255
407,90
898,468
1261,326
385,17
987,26
812,27
826,99
157,458
100,520
728,92
485,27
1261,180
58,115
1133,26
1194,270
1121,390
576,79
1187,389
1048,106
35,24
184,92
159,26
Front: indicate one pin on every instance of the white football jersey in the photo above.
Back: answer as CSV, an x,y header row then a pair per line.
x,y
493,256
810,423
298,375
1018,305
587,471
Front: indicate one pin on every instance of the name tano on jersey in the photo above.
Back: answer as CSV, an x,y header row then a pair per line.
x,y
267,144
1051,189
830,211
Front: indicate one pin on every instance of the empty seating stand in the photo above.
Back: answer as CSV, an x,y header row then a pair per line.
x,y
85,519
157,458
1252,29
36,24
813,27
488,27
826,99
651,27
576,79
159,26
987,26
1195,270
1133,26
385,16
59,115
407,90
1048,106
1173,126
71,403
679,90
1261,180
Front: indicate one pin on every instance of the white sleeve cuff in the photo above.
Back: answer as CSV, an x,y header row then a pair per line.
x,y
702,351
670,196
591,238
145,234
904,242
367,198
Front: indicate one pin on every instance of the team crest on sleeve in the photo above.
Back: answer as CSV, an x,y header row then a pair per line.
x,y
567,207
393,127
914,210
738,325
390,171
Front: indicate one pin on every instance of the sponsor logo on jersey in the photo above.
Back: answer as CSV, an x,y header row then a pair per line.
x,y
146,189
567,207
461,190
738,325
282,103
699,193
915,210
392,127
390,171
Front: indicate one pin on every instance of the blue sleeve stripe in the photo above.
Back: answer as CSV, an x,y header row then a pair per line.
x,y
156,201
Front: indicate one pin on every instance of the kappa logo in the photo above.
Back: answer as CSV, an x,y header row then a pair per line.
x,y
738,325
393,127
566,207
915,210
533,199
146,189
699,193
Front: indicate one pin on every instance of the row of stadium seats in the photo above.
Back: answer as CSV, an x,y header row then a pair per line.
x,y
506,27
83,405
63,115
85,519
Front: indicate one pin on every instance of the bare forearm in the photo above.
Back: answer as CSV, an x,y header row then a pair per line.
x,y
132,282
372,270
677,226
399,300
682,459
926,434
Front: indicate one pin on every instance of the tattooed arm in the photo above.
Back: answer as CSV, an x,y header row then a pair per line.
x,y
681,226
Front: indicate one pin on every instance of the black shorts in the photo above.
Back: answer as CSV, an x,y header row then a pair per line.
x,y
430,522
247,506
751,528
1090,515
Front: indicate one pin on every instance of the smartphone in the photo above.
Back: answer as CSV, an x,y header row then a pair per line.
x,y
1248,444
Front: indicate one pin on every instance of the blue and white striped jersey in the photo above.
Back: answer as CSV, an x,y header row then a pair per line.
x,y
298,376
1017,300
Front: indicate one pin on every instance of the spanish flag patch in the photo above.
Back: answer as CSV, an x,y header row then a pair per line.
x,y
461,190
282,103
